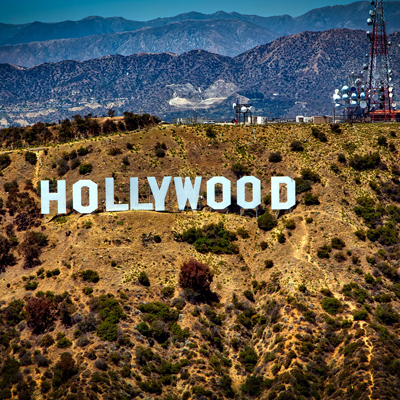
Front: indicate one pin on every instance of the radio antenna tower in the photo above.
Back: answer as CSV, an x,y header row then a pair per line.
x,y
379,81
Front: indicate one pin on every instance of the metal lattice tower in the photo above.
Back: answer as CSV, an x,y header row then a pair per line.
x,y
380,88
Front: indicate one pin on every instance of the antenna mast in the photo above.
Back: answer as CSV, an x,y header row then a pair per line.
x,y
379,82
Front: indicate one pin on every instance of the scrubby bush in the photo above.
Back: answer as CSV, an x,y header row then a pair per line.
x,y
90,276
290,224
64,370
168,291
363,163
195,275
114,151
249,358
40,313
143,279
266,222
337,243
268,263
281,238
331,305
85,168
249,295
75,163
264,245
275,157
240,170
386,314
310,199
212,238
296,146
30,157
323,251
5,161
82,151
253,385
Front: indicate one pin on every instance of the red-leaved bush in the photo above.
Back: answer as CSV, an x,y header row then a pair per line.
x,y
195,275
41,313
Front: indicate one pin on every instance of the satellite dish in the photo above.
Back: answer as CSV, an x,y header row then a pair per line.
x,y
376,75
363,96
345,97
338,105
363,104
358,82
336,98
353,103
234,105
244,109
372,13
353,89
345,89
390,89
369,21
375,97
252,109
391,95
372,3
354,96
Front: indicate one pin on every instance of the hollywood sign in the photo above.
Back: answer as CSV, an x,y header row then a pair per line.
x,y
185,192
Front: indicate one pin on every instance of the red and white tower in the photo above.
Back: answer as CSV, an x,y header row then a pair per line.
x,y
379,82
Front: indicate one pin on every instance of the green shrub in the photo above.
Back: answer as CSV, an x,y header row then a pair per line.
x,y
323,252
253,386
5,161
337,243
268,263
168,291
143,279
243,233
296,146
264,245
331,305
90,275
107,331
249,295
281,238
309,175
249,358
275,157
87,290
63,343
212,238
210,132
369,279
30,157
31,285
341,158
363,163
82,151
310,199
240,170
157,238
290,224
382,141
360,315
346,324
386,314
114,151
266,222
85,168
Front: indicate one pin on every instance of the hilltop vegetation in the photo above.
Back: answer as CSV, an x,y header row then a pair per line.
x,y
302,304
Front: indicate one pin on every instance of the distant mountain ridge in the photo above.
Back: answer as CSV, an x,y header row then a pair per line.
x,y
225,33
291,76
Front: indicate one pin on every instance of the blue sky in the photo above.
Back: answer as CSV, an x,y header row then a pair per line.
x,y
23,11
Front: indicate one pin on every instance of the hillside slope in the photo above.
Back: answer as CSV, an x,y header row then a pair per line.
x,y
306,309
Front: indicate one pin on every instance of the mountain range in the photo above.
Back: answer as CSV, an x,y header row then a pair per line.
x,y
223,33
293,75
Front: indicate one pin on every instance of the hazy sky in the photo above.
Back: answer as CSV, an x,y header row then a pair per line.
x,y
22,11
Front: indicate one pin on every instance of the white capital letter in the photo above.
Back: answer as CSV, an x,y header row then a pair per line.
x,y
226,193
159,193
276,204
77,196
135,205
110,205
241,192
60,196
187,192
